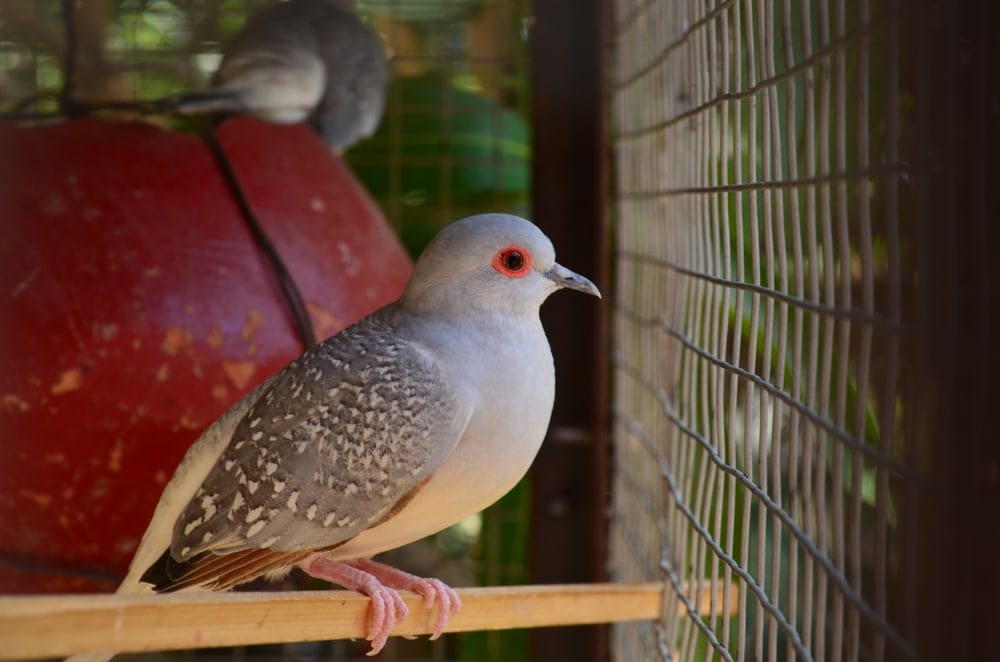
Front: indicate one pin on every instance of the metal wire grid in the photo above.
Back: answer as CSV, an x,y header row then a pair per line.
x,y
758,326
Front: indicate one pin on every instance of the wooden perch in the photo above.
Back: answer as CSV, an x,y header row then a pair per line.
x,y
52,626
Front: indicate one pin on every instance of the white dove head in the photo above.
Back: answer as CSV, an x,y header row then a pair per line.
x,y
486,264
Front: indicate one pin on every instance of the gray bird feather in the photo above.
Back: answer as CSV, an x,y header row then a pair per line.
x,y
298,60
338,438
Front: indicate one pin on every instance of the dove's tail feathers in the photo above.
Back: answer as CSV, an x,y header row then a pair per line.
x,y
132,587
219,572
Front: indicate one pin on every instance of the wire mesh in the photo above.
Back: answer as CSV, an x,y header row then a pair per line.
x,y
758,326
454,140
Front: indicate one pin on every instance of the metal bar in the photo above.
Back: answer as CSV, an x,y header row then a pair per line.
x,y
570,481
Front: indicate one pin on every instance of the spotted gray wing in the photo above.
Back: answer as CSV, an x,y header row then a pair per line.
x,y
344,433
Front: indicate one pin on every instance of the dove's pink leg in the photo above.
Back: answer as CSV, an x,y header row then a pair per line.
x,y
433,590
387,606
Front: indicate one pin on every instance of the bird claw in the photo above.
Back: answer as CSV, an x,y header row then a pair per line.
x,y
435,590
387,609
380,583
432,590
387,606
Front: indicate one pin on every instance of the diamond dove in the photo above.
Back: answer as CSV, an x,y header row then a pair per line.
x,y
417,416
301,60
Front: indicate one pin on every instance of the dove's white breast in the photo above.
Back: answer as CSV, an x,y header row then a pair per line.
x,y
504,372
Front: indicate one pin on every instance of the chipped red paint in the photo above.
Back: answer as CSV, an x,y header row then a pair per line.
x,y
136,309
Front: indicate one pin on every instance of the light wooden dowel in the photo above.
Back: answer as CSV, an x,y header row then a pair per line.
x,y
52,626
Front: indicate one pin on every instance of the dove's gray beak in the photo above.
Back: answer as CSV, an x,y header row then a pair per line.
x,y
563,277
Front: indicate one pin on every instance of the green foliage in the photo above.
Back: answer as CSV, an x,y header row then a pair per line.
x,y
420,12
441,153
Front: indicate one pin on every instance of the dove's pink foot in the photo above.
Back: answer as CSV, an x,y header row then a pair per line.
x,y
433,590
387,606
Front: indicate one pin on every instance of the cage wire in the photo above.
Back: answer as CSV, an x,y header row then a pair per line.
x,y
454,140
758,409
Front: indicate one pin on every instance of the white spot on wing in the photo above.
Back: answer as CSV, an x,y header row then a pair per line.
x,y
192,525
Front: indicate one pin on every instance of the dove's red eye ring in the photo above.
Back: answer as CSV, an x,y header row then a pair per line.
x,y
513,262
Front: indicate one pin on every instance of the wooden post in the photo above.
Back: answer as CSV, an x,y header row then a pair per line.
x,y
569,486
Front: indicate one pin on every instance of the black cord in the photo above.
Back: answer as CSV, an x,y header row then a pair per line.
x,y
292,294
66,103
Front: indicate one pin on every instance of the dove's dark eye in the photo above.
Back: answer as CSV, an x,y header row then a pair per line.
x,y
513,262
